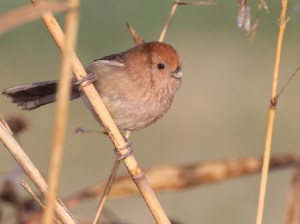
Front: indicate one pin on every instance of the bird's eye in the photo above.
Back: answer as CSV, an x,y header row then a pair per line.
x,y
160,66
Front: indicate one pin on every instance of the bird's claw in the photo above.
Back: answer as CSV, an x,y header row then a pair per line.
x,y
128,146
84,130
91,77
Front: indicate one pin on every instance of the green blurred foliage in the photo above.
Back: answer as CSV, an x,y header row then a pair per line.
x,y
220,111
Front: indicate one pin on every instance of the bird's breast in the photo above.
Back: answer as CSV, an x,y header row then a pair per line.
x,y
134,106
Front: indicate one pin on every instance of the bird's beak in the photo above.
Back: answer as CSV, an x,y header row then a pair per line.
x,y
177,73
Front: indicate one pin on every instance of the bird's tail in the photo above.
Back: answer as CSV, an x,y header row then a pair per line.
x,y
34,95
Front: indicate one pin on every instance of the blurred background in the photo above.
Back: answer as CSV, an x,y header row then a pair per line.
x,y
220,111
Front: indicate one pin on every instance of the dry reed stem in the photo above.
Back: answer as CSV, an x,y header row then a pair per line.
x,y
137,39
176,177
164,31
293,200
28,13
63,98
106,121
108,185
31,171
264,177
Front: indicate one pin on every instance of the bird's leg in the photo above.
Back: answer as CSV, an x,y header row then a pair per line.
x,y
91,77
128,145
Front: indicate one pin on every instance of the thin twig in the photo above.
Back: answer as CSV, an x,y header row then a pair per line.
x,y
164,31
108,186
107,122
63,97
287,83
264,176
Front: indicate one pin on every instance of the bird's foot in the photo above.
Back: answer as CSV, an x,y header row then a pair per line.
x,y
128,146
84,130
91,77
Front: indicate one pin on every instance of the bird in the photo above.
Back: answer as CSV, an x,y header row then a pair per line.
x,y
137,86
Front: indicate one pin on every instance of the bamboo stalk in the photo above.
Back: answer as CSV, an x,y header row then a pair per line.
x,y
265,168
63,97
31,171
106,120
